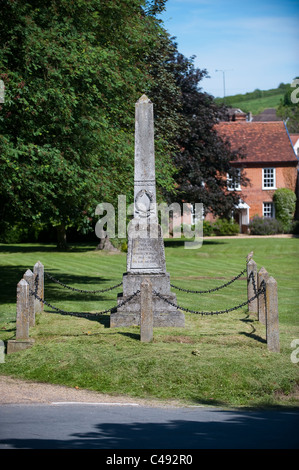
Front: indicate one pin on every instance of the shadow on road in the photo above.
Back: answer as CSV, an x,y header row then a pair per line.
x,y
201,429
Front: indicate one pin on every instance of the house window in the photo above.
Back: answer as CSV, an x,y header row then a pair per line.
x,y
233,183
197,213
193,214
269,178
268,209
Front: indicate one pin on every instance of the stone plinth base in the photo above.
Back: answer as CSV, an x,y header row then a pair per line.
x,y
164,315
175,319
15,345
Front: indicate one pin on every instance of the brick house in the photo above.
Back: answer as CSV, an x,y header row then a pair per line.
x,y
270,163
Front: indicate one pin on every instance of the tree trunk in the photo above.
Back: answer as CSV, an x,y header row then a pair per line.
x,y
61,237
105,244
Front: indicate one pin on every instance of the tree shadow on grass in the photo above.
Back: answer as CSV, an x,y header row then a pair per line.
x,y
11,275
178,242
46,248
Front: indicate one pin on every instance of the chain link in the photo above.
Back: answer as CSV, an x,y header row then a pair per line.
x,y
217,312
208,291
252,277
84,314
112,309
82,290
257,293
36,284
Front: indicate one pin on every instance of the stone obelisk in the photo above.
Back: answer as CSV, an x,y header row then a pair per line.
x,y
146,256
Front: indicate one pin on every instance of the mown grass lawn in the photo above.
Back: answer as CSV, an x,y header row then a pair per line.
x,y
216,359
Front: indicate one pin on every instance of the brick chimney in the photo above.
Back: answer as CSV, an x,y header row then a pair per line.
x,y
236,114
239,117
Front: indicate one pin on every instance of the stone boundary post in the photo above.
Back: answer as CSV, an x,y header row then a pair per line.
x,y
22,320
146,311
22,340
272,323
262,275
39,270
30,277
252,268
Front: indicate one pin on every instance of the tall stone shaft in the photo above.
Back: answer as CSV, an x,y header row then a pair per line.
x,y
144,168
146,254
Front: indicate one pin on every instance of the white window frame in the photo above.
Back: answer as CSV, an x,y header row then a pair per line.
x,y
194,220
233,184
267,207
267,177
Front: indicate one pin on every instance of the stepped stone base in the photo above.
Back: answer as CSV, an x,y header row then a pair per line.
x,y
15,345
164,315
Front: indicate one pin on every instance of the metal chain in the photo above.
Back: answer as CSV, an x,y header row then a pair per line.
x,y
251,276
92,315
262,290
82,290
36,284
83,314
208,291
218,312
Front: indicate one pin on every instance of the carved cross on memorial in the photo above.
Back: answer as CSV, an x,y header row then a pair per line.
x,y
146,255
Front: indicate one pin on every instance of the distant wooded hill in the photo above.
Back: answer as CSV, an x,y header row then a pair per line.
x,y
257,100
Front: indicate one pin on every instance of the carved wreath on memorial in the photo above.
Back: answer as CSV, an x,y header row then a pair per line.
x,y
144,203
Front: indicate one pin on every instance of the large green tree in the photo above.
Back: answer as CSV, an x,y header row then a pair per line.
x,y
72,72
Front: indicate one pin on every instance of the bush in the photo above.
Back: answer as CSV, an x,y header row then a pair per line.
x,y
295,227
225,227
207,228
124,247
265,226
285,204
18,233
220,227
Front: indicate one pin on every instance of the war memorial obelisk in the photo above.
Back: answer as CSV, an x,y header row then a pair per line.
x,y
146,256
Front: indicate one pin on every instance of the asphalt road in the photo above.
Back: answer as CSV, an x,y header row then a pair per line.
x,y
107,426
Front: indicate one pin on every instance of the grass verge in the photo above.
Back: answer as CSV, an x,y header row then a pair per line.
x,y
216,360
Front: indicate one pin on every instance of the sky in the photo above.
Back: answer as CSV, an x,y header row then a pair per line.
x,y
254,44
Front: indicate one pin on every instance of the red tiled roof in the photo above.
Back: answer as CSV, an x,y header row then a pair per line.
x,y
260,141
